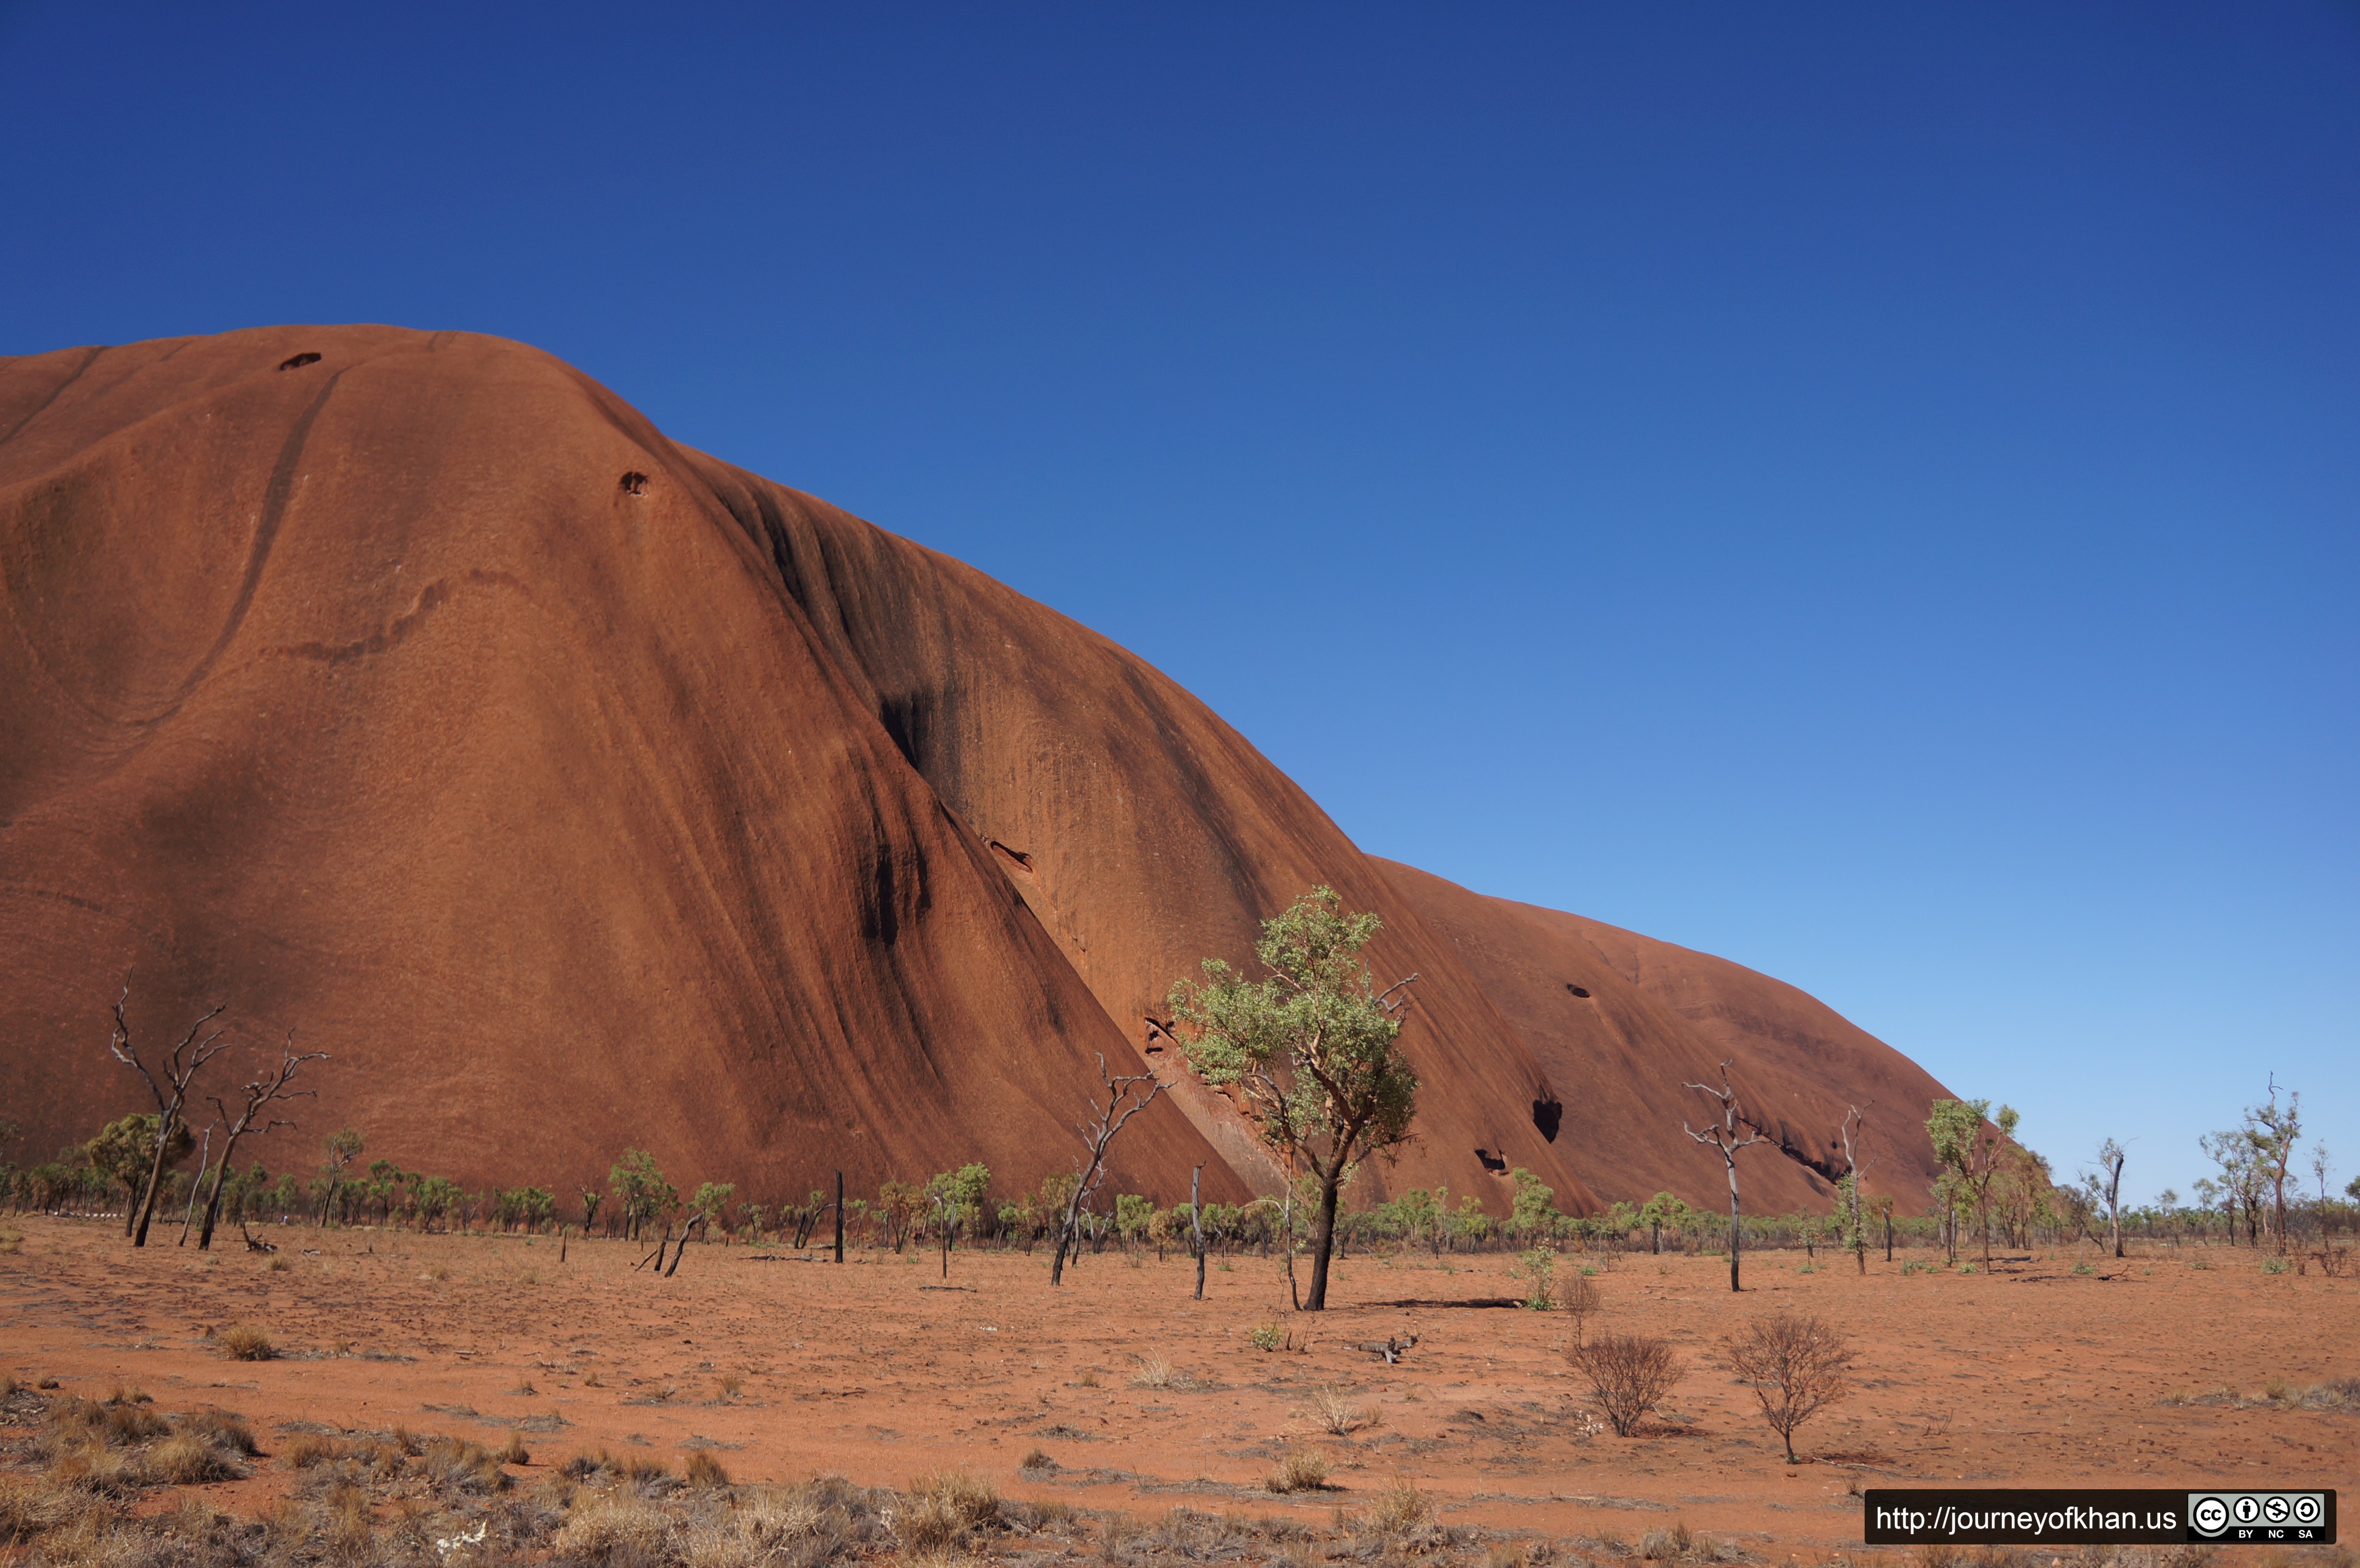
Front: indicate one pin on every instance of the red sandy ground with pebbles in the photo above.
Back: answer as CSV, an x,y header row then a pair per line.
x,y
2030,1374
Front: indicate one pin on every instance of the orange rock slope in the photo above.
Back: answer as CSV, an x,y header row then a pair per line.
x,y
577,790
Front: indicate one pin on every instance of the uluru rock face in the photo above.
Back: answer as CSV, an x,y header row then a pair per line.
x,y
1635,1020
577,790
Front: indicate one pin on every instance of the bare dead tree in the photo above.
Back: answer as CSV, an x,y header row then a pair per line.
x,y
179,1068
1854,1119
1196,1227
267,1088
1097,1136
189,1216
2105,1184
1722,1136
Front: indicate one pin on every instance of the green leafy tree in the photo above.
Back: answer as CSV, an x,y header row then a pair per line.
x,y
1312,1047
435,1198
2274,1130
342,1148
124,1152
1132,1215
899,1203
1533,1211
640,1188
710,1200
1969,1142
1662,1212
957,1198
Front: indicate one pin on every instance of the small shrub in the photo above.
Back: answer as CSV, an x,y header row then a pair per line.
x,y
591,1381
2179,1397
642,1469
2274,1265
128,1394
524,1386
2277,1391
1299,1470
438,1273
1628,1376
1036,1460
1796,1367
1154,1372
1537,1266
1581,1303
1966,1268
243,1342
513,1452
1267,1336
2083,1267
584,1465
1088,1379
703,1470
731,1385
277,1264
2199,1263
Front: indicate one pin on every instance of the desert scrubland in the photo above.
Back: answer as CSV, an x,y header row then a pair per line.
x,y
1116,1418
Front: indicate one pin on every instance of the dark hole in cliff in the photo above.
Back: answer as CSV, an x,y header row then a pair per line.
x,y
1158,1035
1580,991
904,719
1496,1164
1549,1116
634,484
297,362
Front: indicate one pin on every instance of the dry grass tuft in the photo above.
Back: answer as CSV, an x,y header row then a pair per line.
x,y
730,1386
30,1508
616,1528
703,1470
1665,1545
244,1342
1299,1470
185,1459
1336,1412
1400,1509
308,1449
463,1466
642,1469
513,1452
223,1428
944,1508
1154,1372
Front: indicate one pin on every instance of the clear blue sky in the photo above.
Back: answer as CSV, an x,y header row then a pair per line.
x,y
1869,491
